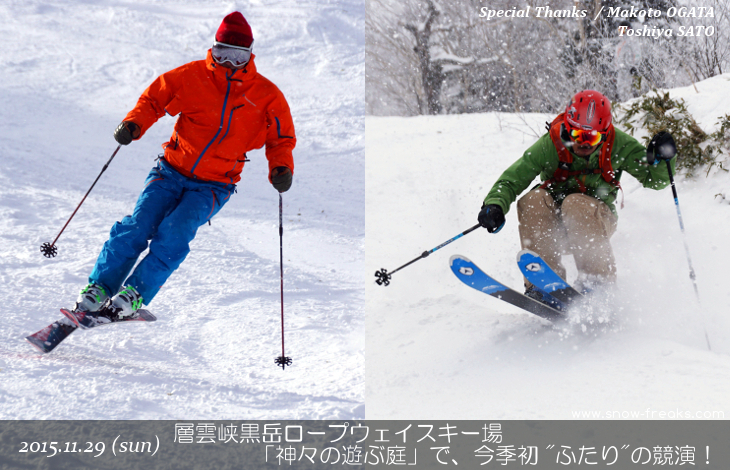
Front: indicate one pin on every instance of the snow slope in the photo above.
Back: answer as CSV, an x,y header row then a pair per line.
x,y
69,72
437,349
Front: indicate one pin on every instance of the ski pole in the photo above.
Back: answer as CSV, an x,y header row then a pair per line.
x,y
49,250
681,227
383,276
282,360
686,247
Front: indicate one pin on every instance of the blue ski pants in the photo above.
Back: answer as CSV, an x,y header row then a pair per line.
x,y
166,218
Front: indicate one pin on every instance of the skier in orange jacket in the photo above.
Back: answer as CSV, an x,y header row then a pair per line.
x,y
225,108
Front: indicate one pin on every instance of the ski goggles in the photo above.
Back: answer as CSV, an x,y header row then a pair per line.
x,y
581,136
235,55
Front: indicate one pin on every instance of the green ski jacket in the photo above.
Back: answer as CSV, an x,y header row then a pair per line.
x,y
542,159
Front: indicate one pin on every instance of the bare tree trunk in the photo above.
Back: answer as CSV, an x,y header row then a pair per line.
x,y
431,77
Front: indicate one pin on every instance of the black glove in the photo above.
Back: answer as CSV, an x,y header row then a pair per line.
x,y
491,218
661,147
126,132
281,178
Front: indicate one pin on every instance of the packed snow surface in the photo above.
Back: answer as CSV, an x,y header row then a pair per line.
x,y
69,72
437,349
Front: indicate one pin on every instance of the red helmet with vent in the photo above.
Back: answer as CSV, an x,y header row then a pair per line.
x,y
588,110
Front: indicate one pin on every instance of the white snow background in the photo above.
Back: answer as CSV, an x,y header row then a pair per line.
x,y
69,72
437,349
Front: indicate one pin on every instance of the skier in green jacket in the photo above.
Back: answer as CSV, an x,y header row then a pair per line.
x,y
580,162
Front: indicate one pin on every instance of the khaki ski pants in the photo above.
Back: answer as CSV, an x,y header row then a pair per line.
x,y
581,226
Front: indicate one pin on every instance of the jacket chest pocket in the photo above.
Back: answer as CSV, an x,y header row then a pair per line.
x,y
231,113
241,124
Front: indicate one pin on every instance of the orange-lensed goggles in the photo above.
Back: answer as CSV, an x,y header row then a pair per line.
x,y
591,138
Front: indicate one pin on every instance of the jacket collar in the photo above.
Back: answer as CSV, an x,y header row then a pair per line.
x,y
246,73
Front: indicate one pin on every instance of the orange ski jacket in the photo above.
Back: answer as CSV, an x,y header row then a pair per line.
x,y
223,114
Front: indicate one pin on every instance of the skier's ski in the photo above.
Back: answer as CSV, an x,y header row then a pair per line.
x,y
542,276
472,276
87,320
48,338
52,335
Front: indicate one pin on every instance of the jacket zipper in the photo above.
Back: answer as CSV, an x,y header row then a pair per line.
x,y
230,118
220,127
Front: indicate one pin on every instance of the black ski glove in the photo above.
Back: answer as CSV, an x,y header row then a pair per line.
x,y
661,147
491,218
126,132
281,178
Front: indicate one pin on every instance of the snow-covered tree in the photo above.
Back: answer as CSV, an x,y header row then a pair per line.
x,y
439,56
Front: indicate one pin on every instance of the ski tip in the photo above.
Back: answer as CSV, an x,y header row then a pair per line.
x,y
458,257
146,315
69,313
526,252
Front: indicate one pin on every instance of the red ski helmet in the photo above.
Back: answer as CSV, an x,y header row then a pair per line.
x,y
588,116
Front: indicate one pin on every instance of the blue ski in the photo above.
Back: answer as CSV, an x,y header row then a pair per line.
x,y
542,276
470,274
